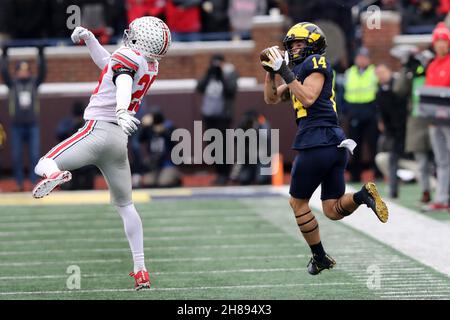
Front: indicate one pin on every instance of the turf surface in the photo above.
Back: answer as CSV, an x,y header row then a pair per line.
x,y
244,248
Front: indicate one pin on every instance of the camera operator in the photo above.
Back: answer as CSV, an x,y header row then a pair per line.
x,y
219,87
392,123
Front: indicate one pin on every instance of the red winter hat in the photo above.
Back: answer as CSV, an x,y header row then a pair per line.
x,y
441,32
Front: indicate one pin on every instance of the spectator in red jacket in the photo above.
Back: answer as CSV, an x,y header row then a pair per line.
x,y
140,8
438,75
182,16
444,6
183,19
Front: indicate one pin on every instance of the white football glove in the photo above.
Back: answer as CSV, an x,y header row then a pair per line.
x,y
276,59
127,122
80,33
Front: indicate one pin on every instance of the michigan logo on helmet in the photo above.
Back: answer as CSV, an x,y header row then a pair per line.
x,y
148,35
311,34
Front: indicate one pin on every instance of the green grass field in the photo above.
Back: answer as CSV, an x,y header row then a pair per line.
x,y
198,248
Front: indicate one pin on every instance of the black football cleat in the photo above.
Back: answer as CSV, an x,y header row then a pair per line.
x,y
373,200
315,265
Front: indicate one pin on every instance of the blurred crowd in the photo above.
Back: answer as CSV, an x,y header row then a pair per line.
x,y
199,19
388,114
378,107
187,19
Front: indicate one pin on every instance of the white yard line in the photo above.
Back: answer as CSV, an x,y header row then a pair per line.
x,y
397,283
100,223
415,285
21,277
119,230
162,238
39,263
168,248
195,259
263,286
415,296
413,234
416,292
147,215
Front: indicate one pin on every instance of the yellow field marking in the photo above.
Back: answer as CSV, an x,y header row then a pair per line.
x,y
176,192
85,197
66,198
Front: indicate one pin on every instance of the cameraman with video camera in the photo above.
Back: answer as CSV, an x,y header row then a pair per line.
x,y
218,87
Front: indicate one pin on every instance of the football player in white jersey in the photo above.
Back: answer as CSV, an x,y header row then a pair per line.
x,y
126,77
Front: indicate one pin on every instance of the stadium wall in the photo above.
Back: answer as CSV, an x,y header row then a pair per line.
x,y
185,61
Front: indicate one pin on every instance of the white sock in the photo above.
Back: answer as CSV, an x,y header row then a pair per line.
x,y
133,229
46,167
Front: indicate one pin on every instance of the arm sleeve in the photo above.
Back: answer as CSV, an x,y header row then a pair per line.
x,y
119,69
98,54
124,84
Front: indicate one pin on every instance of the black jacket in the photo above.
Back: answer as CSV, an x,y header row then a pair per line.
x,y
392,111
228,76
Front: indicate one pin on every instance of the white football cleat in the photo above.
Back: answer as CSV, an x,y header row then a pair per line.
x,y
47,185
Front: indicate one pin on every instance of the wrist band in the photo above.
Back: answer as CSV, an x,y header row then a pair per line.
x,y
287,75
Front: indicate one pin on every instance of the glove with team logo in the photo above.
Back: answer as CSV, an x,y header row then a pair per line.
x,y
127,122
80,33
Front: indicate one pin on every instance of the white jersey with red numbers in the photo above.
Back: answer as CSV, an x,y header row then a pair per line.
x,y
102,105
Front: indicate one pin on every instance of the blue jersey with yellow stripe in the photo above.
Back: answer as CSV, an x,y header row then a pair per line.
x,y
317,124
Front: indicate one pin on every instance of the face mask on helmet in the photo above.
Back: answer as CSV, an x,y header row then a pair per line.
x,y
150,36
313,41
298,53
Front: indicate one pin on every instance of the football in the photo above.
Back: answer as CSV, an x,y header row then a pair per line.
x,y
263,56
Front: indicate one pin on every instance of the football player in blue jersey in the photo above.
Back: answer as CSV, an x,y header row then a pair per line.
x,y
321,142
